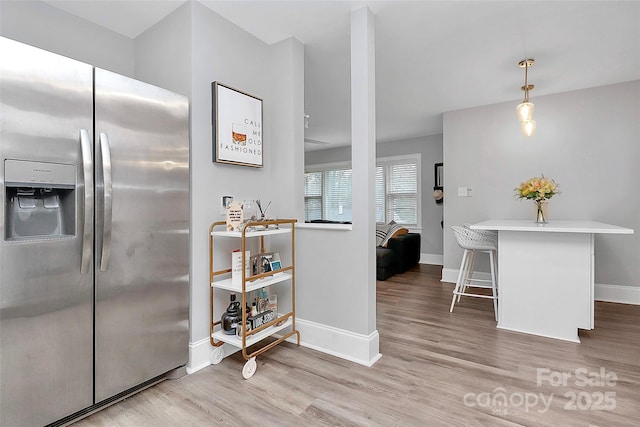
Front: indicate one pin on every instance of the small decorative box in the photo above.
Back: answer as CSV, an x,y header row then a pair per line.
x,y
261,318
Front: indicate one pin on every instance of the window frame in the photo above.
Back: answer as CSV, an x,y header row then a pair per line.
x,y
390,160
383,162
320,197
323,168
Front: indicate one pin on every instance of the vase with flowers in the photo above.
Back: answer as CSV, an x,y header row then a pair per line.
x,y
539,189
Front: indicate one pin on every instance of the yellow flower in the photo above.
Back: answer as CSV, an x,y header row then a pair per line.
x,y
537,188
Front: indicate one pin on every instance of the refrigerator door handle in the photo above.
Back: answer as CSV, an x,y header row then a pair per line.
x,y
87,176
108,208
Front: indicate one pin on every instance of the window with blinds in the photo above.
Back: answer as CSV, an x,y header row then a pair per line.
x,y
380,199
401,196
327,191
313,195
337,195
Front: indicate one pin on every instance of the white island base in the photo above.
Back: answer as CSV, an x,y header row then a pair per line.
x,y
546,275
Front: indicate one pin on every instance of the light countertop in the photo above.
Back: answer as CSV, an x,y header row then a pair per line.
x,y
553,226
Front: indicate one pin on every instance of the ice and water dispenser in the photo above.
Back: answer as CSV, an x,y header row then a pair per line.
x,y
39,200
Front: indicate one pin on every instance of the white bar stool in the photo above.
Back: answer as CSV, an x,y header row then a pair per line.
x,y
473,242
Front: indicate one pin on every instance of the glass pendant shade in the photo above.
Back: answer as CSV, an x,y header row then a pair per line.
x,y
528,127
525,108
525,111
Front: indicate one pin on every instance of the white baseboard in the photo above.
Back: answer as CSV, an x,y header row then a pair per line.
x,y
198,355
200,351
450,275
433,259
358,348
603,292
617,293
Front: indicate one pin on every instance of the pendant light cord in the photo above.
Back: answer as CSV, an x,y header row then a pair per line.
x,y
526,82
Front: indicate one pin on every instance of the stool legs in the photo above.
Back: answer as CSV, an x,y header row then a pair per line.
x,y
465,279
470,266
462,277
494,290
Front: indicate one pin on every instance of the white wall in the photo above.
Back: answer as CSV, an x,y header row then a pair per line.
x,y
363,163
336,267
329,155
41,25
162,54
187,51
430,150
586,140
287,160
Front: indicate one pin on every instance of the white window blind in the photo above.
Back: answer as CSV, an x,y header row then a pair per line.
x,y
402,192
397,191
380,192
313,195
337,195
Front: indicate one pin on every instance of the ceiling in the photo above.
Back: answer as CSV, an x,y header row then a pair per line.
x,y
431,56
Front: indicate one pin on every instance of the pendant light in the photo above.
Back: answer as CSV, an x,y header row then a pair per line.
x,y
525,108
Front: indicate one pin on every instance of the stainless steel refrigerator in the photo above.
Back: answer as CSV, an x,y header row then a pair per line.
x,y
94,235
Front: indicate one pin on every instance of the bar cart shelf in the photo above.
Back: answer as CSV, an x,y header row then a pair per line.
x,y
221,280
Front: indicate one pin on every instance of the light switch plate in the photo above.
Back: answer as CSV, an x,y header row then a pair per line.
x,y
464,191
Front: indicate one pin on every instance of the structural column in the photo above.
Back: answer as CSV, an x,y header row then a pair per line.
x,y
363,146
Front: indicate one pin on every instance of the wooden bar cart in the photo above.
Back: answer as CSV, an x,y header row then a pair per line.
x,y
221,280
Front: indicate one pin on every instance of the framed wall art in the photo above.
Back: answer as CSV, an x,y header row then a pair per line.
x,y
438,175
438,171
237,126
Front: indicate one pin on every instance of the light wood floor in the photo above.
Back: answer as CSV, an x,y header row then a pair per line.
x,y
437,369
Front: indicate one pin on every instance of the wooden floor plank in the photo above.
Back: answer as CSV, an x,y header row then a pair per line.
x,y
438,369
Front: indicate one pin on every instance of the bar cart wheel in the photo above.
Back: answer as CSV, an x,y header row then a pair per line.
x,y
249,368
217,354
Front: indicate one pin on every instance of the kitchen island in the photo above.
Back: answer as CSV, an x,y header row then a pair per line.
x,y
546,275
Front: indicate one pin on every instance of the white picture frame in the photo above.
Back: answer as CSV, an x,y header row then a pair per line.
x,y
237,126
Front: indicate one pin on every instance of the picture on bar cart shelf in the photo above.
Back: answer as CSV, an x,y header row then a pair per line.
x,y
275,265
237,126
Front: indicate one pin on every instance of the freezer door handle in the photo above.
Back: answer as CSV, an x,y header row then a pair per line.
x,y
108,207
87,177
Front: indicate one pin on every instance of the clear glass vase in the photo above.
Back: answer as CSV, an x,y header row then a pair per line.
x,y
249,210
541,214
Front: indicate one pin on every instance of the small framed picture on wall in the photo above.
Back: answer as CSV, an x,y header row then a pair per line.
x,y
237,126
438,171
